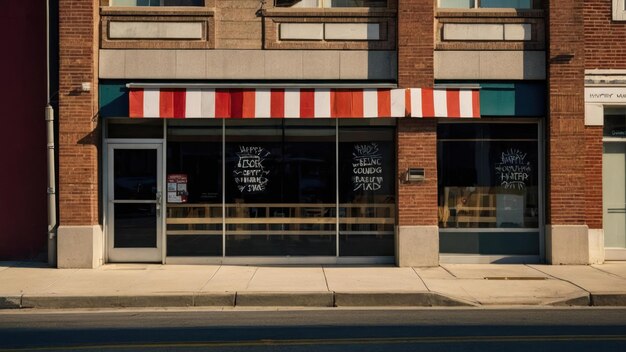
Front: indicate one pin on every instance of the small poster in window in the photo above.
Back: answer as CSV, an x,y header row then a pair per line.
x,y
177,188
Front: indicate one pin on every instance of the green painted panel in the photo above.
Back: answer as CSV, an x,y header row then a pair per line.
x,y
525,99
113,99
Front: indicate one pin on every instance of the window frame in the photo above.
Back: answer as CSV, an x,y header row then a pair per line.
x,y
326,4
619,10
535,4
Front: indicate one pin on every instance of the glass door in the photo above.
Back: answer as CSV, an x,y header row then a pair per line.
x,y
134,203
614,209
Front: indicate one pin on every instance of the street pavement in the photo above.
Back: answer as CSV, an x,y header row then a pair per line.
x,y
315,329
29,285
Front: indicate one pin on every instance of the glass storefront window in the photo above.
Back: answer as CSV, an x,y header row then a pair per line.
x,y
367,192
281,188
488,181
194,202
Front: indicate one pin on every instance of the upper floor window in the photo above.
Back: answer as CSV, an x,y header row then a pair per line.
x,y
133,3
330,3
471,4
619,10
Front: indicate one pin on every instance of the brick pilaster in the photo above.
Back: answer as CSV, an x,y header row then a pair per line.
x,y
566,131
417,139
78,133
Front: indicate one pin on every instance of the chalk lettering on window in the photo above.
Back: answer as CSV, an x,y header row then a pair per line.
x,y
250,173
513,169
367,167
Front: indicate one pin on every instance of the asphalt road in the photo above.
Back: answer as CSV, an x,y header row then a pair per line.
x,y
535,330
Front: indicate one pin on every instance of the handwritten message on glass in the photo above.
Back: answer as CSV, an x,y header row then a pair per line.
x,y
250,173
514,169
367,167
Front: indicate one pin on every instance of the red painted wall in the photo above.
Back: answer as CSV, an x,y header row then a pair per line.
x,y
23,216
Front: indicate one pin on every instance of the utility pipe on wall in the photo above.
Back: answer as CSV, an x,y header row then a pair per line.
x,y
52,201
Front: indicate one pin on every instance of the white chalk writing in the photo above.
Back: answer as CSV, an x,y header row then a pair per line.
x,y
250,174
513,169
367,167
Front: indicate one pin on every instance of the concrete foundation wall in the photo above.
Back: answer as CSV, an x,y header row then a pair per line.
x,y
417,246
80,247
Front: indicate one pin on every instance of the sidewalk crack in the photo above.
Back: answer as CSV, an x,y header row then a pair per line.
x,y
448,271
325,278
210,278
607,272
560,279
252,278
422,280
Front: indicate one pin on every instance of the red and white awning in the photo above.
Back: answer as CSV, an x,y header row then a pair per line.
x,y
302,103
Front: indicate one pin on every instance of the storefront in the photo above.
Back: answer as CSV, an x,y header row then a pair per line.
x,y
490,178
208,184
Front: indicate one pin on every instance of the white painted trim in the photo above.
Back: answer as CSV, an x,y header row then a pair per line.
x,y
619,10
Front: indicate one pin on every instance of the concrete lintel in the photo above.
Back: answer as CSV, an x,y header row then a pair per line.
x,y
248,64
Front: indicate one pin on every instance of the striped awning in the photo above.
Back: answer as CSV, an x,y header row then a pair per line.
x,y
303,103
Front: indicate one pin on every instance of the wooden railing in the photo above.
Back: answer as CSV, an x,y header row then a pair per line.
x,y
279,219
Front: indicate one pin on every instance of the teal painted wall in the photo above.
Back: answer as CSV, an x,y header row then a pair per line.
x,y
510,98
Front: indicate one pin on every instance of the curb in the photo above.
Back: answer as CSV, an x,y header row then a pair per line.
x,y
285,299
10,302
64,302
608,299
576,300
403,299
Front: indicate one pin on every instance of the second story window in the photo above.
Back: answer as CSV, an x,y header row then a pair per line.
x,y
330,3
471,4
134,3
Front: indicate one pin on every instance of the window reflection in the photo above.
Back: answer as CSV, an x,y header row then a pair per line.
x,y
488,182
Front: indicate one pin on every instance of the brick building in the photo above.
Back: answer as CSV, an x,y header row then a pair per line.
x,y
328,131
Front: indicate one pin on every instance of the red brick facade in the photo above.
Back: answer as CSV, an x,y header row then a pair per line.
x,y
78,132
417,140
593,179
566,189
604,38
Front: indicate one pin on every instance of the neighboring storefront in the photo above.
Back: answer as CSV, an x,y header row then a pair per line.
x,y
491,174
215,175
605,102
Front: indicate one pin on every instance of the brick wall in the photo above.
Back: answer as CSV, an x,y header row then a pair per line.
x,y
604,38
417,139
566,132
78,132
417,147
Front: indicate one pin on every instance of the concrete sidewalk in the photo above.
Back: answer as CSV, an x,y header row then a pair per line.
x,y
26,285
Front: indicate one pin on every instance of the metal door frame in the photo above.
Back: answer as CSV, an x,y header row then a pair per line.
x,y
611,253
133,254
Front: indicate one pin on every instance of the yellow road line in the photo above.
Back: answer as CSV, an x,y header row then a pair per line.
x,y
347,341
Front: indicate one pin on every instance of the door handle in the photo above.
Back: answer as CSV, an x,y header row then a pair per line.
x,y
159,199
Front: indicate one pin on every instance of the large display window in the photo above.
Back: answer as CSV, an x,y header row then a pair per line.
x,y
280,188
489,188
